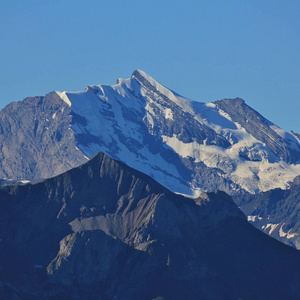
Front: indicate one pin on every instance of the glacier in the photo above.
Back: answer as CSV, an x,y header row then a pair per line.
x,y
185,145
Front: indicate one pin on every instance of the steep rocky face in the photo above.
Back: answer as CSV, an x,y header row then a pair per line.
x,y
36,140
285,147
276,212
178,121
187,146
104,230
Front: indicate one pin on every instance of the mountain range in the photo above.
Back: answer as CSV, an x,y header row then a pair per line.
x,y
187,146
106,231
131,191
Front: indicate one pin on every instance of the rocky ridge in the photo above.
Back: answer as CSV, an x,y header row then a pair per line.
x,y
108,231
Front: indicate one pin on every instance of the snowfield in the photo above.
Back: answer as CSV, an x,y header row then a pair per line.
x,y
138,121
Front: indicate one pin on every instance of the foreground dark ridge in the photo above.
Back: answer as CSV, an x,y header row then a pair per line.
x,y
105,230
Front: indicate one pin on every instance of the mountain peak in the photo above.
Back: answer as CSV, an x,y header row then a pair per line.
x,y
151,84
236,102
154,130
145,79
139,73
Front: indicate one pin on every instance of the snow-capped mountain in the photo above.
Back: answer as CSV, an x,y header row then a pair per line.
x,y
139,121
185,145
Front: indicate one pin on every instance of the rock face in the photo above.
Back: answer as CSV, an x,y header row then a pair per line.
x,y
36,140
187,146
261,129
105,231
276,212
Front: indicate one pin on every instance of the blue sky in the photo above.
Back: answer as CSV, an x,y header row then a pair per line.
x,y
204,50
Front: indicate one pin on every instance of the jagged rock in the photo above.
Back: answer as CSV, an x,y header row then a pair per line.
x,y
36,140
104,230
260,128
276,212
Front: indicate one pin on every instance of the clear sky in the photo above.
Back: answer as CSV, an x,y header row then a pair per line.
x,y
204,50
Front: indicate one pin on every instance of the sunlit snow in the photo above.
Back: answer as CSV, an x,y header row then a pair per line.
x,y
113,119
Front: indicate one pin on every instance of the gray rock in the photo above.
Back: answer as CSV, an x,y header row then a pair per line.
x,y
259,127
104,230
35,139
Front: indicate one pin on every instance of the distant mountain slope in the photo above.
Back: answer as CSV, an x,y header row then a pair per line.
x,y
36,140
284,144
276,212
185,145
105,231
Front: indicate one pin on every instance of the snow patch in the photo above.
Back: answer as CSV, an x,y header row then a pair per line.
x,y
288,234
272,227
211,105
24,181
253,218
281,232
253,176
168,114
64,97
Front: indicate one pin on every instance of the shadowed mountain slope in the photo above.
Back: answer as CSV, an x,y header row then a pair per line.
x,y
104,230
276,212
